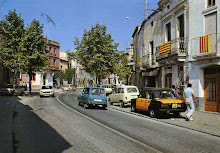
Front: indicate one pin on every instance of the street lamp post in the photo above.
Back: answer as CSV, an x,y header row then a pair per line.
x,y
132,18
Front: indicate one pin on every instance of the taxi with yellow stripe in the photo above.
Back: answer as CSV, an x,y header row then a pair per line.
x,y
158,101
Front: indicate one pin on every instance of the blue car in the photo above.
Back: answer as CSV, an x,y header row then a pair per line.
x,y
92,96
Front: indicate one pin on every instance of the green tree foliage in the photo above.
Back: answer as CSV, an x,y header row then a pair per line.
x,y
96,51
122,69
33,46
12,32
23,48
60,74
69,73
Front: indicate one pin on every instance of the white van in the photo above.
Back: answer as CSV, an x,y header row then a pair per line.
x,y
123,95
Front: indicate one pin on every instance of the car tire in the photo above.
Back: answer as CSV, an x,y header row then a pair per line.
x,y
109,102
176,114
85,106
133,109
104,107
122,104
152,113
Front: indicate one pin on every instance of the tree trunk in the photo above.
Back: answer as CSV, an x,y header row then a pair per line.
x,y
30,76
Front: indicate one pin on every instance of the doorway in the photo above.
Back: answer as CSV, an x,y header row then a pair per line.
x,y
212,89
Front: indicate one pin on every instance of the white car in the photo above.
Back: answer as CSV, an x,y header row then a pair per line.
x,y
108,88
12,89
46,91
123,95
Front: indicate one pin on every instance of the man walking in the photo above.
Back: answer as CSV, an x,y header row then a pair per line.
x,y
188,96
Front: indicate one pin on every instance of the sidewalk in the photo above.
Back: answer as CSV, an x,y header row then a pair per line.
x,y
206,122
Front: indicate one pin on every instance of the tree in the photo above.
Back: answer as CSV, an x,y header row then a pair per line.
x,y
59,74
34,46
96,51
23,48
69,73
12,31
122,69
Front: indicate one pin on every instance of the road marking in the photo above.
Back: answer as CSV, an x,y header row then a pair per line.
x,y
113,130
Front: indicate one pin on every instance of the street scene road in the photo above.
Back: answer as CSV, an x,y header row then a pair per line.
x,y
59,125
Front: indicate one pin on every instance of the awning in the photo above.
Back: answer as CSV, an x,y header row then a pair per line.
x,y
150,73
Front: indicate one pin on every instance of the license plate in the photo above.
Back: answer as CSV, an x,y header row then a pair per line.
x,y
99,100
174,105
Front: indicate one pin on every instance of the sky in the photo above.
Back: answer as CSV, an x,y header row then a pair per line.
x,y
71,17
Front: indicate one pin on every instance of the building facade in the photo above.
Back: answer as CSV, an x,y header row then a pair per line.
x,y
179,44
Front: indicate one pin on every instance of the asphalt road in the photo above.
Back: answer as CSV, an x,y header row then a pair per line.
x,y
60,125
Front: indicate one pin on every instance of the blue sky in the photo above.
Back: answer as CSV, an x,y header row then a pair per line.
x,y
71,17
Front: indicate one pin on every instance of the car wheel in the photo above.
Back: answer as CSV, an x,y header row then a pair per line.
x,y
85,106
79,104
152,113
133,109
122,104
176,114
104,106
109,102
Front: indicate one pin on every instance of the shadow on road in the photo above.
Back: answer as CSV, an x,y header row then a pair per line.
x,y
32,134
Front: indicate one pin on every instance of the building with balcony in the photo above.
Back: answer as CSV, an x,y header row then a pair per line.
x,y
202,67
45,75
179,44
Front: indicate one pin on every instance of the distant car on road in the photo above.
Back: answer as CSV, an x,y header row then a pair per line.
x,y
92,96
67,87
46,91
158,101
108,88
12,89
123,95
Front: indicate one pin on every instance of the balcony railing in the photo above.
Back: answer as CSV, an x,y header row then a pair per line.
x,y
177,47
205,46
149,60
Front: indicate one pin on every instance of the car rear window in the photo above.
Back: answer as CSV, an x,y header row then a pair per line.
x,y
9,86
46,87
97,92
131,90
164,95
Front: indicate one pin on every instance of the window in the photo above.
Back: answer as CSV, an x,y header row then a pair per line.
x,y
168,32
210,3
152,23
168,7
151,47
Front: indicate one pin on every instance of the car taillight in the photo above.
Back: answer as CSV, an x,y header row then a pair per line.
x,y
89,99
106,100
164,106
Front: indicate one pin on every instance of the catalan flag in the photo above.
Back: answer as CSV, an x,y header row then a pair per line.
x,y
204,44
165,48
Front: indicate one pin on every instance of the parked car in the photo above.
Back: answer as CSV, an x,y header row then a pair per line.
x,y
92,96
123,95
11,89
108,88
67,87
158,101
46,91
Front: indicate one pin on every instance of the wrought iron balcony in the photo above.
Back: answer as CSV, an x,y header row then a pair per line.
x,y
149,61
176,48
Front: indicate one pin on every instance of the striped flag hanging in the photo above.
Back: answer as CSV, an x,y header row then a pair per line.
x,y
204,44
165,48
